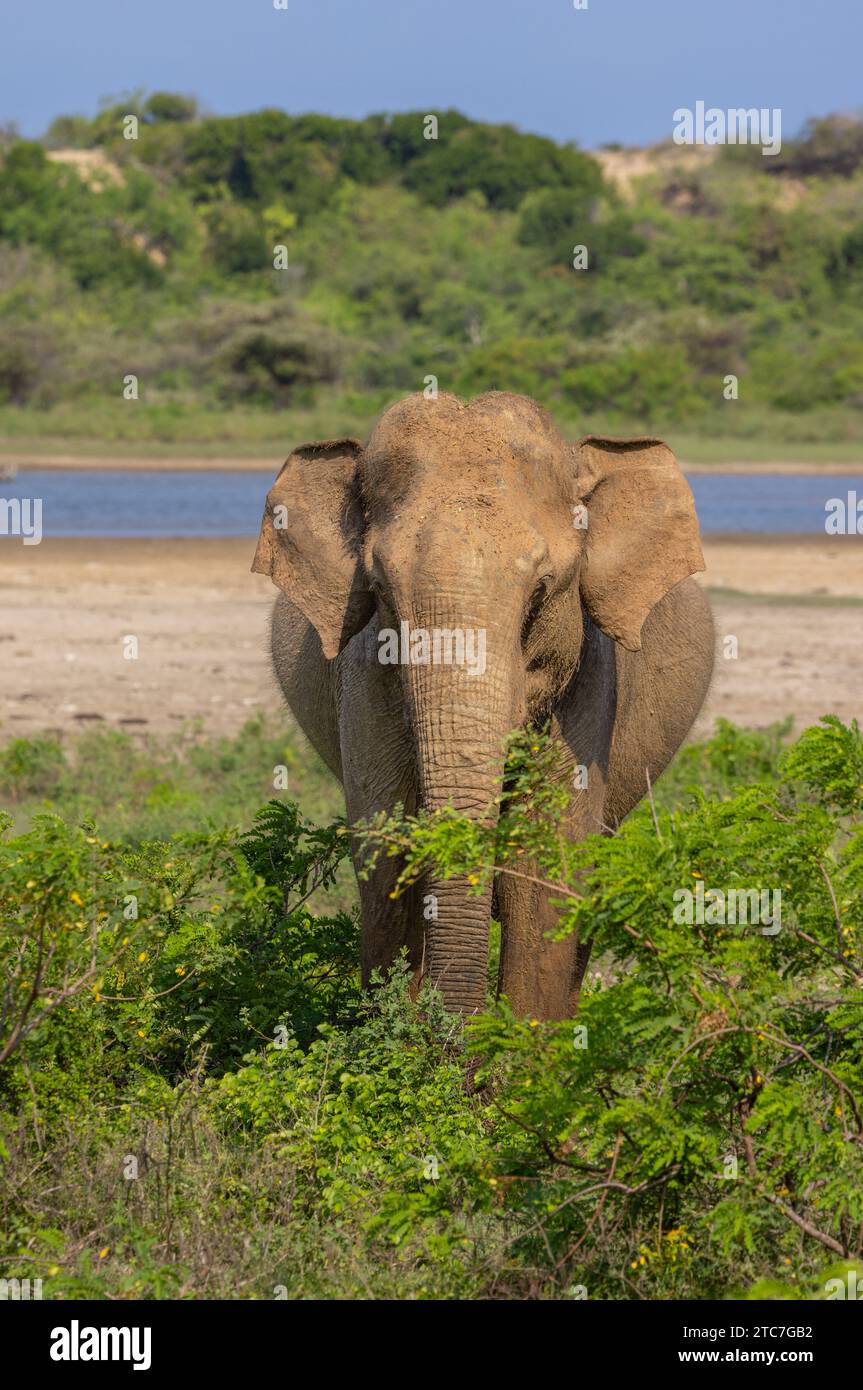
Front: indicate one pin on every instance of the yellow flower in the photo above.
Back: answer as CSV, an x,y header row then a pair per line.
x,y
141,1033
76,899
53,1269
103,1253
180,970
534,1023
142,957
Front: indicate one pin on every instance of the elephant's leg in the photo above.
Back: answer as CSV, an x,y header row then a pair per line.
x,y
542,978
378,771
389,925
623,717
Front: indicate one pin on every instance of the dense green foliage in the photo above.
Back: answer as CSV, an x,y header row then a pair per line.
x,y
195,1099
410,257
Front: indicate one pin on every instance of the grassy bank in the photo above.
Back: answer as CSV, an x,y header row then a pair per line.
x,y
113,431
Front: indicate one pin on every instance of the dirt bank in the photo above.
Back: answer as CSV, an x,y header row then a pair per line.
x,y
795,607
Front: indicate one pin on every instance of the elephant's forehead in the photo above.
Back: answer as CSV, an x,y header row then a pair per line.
x,y
446,444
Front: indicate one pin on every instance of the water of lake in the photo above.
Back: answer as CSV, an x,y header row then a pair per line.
x,y
230,504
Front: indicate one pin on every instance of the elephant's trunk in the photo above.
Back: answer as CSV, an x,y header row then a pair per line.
x,y
460,721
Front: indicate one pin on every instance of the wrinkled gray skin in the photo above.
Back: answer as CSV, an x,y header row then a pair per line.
x,y
472,516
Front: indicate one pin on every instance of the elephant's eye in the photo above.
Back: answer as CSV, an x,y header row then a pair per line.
x,y
533,608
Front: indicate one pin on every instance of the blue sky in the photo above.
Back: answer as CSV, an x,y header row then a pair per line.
x,y
615,71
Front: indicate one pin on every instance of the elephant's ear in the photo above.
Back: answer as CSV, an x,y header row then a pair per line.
x,y
642,531
311,536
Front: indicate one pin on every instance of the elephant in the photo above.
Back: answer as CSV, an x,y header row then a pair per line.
x,y
559,575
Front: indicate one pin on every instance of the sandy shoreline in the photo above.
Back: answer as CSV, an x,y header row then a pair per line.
x,y
270,463
70,463
795,606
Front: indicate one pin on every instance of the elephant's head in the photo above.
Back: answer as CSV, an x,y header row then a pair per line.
x,y
481,527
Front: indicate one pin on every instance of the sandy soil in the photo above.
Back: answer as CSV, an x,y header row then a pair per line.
x,y
270,464
200,619
147,463
198,614
795,607
625,167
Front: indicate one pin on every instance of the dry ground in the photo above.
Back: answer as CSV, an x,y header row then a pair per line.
x,y
200,618
834,458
